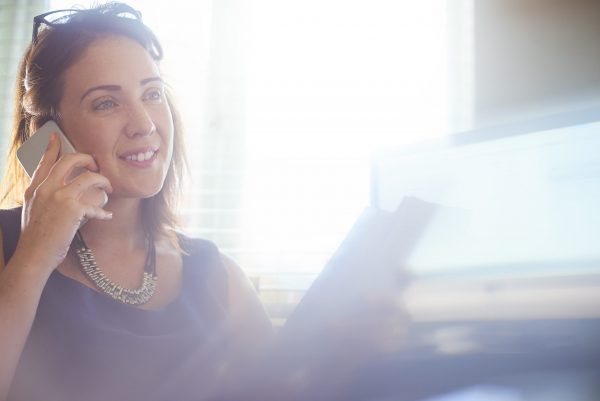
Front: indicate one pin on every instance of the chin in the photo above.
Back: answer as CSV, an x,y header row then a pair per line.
x,y
138,192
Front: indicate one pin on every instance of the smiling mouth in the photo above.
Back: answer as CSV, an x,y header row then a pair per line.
x,y
141,156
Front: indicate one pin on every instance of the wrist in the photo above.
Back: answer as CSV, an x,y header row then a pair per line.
x,y
30,263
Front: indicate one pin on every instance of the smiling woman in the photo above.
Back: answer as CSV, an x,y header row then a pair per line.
x,y
136,298
121,114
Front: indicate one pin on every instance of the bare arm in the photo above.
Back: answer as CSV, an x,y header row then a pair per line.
x,y
21,285
51,214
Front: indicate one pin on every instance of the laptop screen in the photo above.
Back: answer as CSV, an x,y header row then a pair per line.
x,y
528,195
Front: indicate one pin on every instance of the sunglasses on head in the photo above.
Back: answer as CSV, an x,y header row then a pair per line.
x,y
58,17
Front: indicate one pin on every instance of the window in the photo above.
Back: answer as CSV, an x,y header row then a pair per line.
x,y
283,103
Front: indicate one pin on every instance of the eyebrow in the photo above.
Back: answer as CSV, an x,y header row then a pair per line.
x,y
114,88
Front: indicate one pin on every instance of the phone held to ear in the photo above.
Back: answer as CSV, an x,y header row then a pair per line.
x,y
31,152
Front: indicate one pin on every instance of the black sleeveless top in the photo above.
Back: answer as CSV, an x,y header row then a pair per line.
x,y
86,346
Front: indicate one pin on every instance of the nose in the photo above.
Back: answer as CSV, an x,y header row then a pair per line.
x,y
139,122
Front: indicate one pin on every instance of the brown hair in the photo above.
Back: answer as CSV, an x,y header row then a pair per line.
x,y
39,88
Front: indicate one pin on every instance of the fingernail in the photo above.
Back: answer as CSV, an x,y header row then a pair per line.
x,y
108,215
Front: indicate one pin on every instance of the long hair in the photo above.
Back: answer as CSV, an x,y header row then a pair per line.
x,y
39,89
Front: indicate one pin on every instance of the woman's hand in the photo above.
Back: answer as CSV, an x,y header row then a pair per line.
x,y
53,208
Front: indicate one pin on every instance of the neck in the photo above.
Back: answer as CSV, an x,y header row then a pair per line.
x,y
123,231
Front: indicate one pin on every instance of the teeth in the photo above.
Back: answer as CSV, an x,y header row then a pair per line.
x,y
140,157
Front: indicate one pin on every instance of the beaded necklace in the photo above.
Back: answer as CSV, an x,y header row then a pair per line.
x,y
139,296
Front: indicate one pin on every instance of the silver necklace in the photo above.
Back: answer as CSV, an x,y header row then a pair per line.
x,y
87,263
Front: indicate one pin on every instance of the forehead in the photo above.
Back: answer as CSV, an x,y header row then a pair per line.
x,y
112,60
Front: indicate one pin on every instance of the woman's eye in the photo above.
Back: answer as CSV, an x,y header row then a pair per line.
x,y
153,95
105,105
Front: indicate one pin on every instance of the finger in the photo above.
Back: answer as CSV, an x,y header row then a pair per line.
x,y
68,163
86,181
95,212
48,160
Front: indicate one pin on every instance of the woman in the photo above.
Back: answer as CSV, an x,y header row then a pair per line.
x,y
152,314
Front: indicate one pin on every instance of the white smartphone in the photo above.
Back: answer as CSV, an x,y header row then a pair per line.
x,y
31,152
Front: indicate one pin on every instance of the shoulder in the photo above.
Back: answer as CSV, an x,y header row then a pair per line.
x,y
10,228
202,250
202,260
10,216
10,221
206,254
241,294
247,315
200,255
196,247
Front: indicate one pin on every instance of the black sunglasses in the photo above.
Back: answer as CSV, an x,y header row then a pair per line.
x,y
64,16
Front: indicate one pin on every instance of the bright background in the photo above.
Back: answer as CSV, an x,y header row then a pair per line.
x,y
284,103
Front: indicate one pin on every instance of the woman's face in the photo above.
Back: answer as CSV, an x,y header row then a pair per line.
x,y
114,108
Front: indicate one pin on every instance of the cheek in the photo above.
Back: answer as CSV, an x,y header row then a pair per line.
x,y
169,141
96,144
167,129
87,135
81,139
